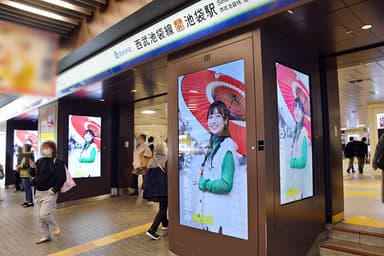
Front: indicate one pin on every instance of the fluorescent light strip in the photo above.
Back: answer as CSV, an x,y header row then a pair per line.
x,y
38,11
69,6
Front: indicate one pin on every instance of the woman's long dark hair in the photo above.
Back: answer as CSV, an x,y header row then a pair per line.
x,y
298,103
224,112
88,143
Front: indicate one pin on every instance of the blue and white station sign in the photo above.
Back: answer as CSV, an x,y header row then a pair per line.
x,y
195,22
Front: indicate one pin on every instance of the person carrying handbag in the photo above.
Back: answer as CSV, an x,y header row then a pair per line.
x,y
50,177
378,162
156,188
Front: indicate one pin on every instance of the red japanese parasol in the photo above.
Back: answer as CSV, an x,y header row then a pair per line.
x,y
202,88
24,135
292,88
83,123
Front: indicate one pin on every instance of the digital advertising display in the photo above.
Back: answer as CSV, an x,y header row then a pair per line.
x,y
380,120
84,143
212,150
21,137
295,134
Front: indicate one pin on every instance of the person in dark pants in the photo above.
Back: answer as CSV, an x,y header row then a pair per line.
x,y
362,153
25,171
349,152
156,188
19,157
151,144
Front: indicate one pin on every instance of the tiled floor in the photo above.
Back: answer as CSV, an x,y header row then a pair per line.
x,y
110,221
362,196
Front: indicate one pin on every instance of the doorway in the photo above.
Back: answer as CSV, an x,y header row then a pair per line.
x,y
361,106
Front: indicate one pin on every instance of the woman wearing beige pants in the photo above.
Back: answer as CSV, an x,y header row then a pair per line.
x,y
50,177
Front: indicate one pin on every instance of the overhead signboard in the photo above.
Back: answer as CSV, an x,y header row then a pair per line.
x,y
28,61
195,22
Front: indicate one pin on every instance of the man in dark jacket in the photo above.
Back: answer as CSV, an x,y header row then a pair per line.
x,y
362,153
350,153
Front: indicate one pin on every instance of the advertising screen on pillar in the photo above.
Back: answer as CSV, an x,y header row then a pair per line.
x,y
22,137
295,134
84,141
212,150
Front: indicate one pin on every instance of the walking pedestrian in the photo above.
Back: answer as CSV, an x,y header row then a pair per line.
x,y
50,177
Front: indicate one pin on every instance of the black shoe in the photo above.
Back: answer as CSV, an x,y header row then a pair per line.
x,y
134,193
153,235
24,204
348,171
353,171
28,205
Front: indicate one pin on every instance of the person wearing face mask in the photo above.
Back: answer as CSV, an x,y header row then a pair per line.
x,y
50,177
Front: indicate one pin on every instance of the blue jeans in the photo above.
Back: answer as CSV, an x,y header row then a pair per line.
x,y
28,189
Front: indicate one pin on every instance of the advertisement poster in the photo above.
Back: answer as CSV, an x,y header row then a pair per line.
x,y
212,150
380,120
28,61
295,140
47,122
21,137
84,146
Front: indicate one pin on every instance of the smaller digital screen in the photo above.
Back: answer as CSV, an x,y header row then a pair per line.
x,y
84,143
380,120
21,137
295,134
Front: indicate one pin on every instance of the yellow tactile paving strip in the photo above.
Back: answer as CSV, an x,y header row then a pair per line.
x,y
365,221
103,241
364,185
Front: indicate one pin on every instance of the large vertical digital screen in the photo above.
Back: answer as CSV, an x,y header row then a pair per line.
x,y
212,150
21,137
84,142
295,134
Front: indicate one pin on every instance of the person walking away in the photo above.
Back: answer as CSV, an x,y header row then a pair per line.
x,y
19,157
151,145
349,153
26,173
50,177
379,154
156,188
362,153
141,155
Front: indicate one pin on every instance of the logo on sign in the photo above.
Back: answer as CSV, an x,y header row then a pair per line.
x,y
179,25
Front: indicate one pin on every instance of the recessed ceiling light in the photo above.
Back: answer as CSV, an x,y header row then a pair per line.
x,y
133,90
290,12
366,26
148,112
101,99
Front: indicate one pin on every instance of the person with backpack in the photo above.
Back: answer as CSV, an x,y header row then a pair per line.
x,y
50,177
26,173
378,162
350,153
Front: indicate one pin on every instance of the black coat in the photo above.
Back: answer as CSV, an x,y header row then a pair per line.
x,y
156,185
351,149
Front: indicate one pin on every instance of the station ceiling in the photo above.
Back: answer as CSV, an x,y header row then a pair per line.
x,y
55,16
